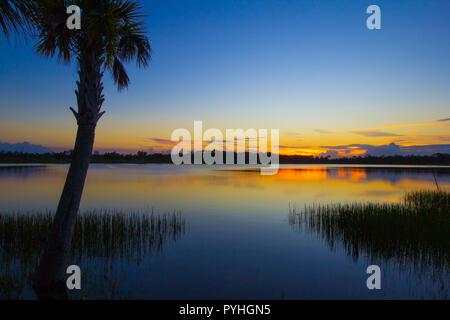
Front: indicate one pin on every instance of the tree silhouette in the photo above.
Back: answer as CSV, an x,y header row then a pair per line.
x,y
112,33
15,16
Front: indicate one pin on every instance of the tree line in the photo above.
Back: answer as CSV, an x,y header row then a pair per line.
x,y
144,157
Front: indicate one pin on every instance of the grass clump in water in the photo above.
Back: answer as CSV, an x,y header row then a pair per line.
x,y
413,234
106,237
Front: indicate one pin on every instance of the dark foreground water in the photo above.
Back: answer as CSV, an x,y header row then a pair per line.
x,y
228,234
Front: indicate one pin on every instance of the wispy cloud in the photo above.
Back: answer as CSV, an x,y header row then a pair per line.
x,y
444,120
384,150
403,126
292,147
323,131
375,134
161,141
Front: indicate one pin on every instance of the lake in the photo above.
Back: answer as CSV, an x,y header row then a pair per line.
x,y
233,237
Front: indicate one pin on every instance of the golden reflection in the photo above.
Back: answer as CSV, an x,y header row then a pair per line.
x,y
310,174
201,189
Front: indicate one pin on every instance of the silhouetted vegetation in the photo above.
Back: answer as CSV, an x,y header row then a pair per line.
x,y
107,237
113,34
414,234
16,17
144,157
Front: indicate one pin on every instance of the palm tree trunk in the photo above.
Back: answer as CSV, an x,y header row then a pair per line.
x,y
50,279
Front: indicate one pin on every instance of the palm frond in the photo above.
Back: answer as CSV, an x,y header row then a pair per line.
x,y
113,29
135,46
120,75
54,37
16,16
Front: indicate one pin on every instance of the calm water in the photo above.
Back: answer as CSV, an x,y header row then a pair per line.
x,y
238,241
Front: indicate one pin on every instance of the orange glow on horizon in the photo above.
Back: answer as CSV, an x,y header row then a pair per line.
x,y
126,137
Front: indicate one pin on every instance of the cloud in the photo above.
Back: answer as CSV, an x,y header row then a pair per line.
x,y
159,145
323,131
24,147
217,141
375,134
292,147
391,149
153,150
161,141
443,138
427,149
444,120
345,147
333,154
406,125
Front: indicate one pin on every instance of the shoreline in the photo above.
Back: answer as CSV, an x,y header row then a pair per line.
x,y
244,166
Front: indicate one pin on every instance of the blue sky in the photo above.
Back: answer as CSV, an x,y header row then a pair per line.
x,y
300,66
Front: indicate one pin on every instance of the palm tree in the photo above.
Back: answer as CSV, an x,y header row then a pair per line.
x,y
112,33
15,16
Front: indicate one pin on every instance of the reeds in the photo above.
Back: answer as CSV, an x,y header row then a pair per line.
x,y
108,236
413,234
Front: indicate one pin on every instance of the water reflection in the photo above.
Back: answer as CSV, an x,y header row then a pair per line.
x,y
103,243
190,188
23,172
237,230
411,237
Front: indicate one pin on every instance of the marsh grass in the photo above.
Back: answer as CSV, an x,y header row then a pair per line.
x,y
106,236
414,234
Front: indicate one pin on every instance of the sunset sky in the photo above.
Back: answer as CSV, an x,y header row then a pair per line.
x,y
308,68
